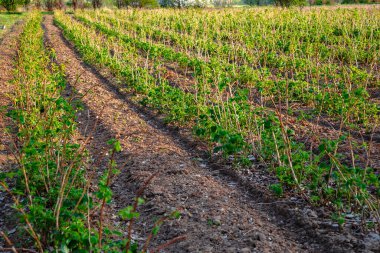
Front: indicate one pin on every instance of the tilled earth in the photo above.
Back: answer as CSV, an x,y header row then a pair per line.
x,y
8,54
221,211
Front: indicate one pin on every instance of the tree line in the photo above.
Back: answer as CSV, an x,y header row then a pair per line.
x,y
11,5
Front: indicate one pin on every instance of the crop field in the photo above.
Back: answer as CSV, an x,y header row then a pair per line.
x,y
296,90
194,105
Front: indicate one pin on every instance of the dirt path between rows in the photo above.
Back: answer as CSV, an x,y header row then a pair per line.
x,y
217,214
8,54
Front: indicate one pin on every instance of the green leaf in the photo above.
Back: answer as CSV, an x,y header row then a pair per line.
x,y
140,201
155,230
64,248
176,214
127,213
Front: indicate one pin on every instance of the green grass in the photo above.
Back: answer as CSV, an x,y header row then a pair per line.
x,y
8,20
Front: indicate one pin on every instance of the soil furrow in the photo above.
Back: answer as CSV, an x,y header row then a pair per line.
x,y
8,54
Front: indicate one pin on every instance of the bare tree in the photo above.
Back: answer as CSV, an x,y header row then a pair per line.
x,y
77,4
49,4
96,4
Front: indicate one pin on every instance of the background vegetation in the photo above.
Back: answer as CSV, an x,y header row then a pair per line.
x,y
11,5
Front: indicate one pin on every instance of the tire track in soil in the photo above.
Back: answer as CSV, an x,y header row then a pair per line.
x,y
8,55
182,182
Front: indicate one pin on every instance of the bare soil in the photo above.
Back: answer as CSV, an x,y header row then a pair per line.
x,y
8,54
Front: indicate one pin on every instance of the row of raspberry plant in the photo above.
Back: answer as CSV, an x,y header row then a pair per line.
x,y
319,174
350,105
